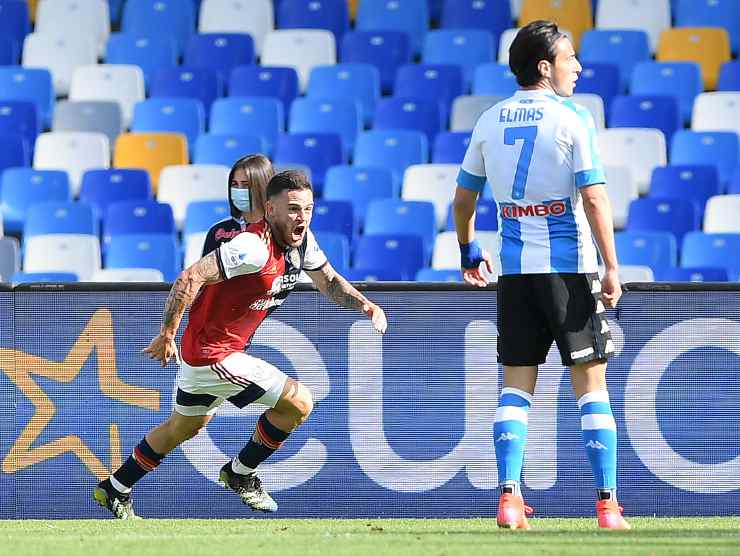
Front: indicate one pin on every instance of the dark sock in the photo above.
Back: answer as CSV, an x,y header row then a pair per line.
x,y
142,460
266,439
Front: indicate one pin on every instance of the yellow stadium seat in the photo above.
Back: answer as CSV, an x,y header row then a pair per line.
x,y
352,5
571,15
707,46
151,151
32,8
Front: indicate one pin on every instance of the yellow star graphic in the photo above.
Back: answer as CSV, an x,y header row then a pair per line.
x,y
19,366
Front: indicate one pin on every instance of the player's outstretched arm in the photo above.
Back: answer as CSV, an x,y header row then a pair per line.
x,y
186,286
336,288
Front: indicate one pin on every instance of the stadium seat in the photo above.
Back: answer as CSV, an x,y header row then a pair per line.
x,y
327,115
403,254
253,17
150,151
412,114
225,148
450,147
438,83
395,150
180,185
439,275
60,54
96,116
466,109
302,49
358,82
335,217
336,247
594,104
651,16
680,80
110,82
359,185
219,52
466,48
734,185
504,43
150,53
138,216
600,79
666,214
573,15
72,151
10,258
260,116
634,273
718,148
447,250
193,83
694,183
622,190
100,188
410,16
711,13
263,81
158,251
193,247
60,217
393,216
722,214
20,117
127,275
176,115
22,187
386,50
639,149
9,52
486,216
694,274
648,111
76,253
170,18
88,18
729,76
15,152
318,151
32,85
331,15
15,22
374,275
494,17
201,215
31,277
658,250
717,112
435,183
701,249
494,79
707,46
625,48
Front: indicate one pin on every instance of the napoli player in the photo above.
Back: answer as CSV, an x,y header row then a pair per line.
x,y
232,290
538,151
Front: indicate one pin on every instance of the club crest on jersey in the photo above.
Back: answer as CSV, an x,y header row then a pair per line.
x,y
556,208
294,258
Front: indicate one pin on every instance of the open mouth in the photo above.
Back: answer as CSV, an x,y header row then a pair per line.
x,y
298,231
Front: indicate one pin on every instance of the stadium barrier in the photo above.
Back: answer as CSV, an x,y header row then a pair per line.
x,y
402,424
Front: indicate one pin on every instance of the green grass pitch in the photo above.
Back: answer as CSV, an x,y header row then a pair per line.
x,y
374,537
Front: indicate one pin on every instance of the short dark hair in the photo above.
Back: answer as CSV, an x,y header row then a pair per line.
x,y
534,42
289,180
259,171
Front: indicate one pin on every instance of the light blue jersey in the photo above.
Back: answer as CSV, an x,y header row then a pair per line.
x,y
537,150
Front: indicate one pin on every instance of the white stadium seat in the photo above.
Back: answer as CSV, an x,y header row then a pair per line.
x,y
718,111
722,214
431,182
254,17
504,42
302,49
640,149
122,83
635,273
72,151
61,54
89,18
622,190
651,16
77,253
594,104
194,247
181,184
466,109
127,275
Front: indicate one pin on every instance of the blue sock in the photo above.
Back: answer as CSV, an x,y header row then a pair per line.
x,y
600,437
510,433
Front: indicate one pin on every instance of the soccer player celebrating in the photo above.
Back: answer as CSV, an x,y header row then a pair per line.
x,y
232,290
538,151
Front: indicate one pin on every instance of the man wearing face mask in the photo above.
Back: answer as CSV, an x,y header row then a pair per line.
x,y
247,184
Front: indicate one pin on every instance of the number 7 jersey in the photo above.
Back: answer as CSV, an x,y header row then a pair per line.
x,y
537,150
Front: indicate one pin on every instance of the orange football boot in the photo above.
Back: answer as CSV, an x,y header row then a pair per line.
x,y
609,514
512,512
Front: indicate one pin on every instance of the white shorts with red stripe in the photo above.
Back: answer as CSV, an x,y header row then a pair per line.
x,y
239,378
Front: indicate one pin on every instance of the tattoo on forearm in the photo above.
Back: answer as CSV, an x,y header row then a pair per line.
x,y
186,288
343,293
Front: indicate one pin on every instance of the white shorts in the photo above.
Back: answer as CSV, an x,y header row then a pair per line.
x,y
239,378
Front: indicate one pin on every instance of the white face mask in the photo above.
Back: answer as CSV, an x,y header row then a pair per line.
x,y
241,199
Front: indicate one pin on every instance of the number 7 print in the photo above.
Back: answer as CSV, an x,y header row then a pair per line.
x,y
528,134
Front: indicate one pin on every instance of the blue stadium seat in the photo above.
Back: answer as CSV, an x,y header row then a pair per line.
x,y
438,83
486,216
15,151
710,13
734,185
15,22
9,52
407,113
473,14
680,80
327,115
159,251
386,50
718,148
411,16
659,112
226,148
263,81
22,187
115,10
626,48
435,10
101,187
220,52
394,216
600,79
658,250
694,274
667,214
171,18
259,116
56,277
359,185
335,246
495,79
310,14
201,215
20,117
150,53
335,217
60,217
693,183
439,275
33,84
318,151
729,76
200,84
466,48
450,146
137,217
403,254
395,150
373,275
176,115
712,250
359,82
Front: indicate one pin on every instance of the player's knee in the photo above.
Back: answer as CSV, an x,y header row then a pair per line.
x,y
299,403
